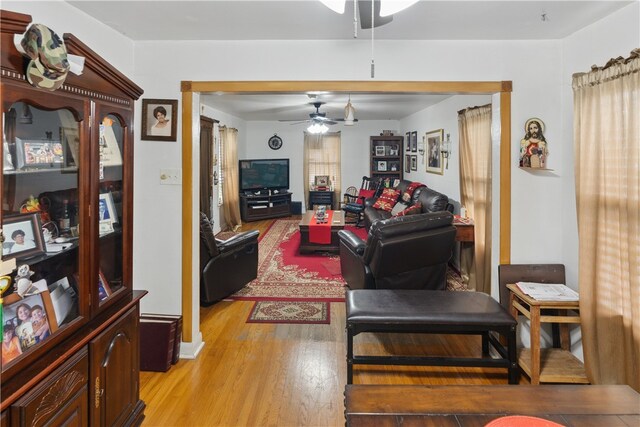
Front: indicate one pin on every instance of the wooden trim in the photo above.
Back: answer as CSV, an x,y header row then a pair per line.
x,y
187,217
505,177
189,87
345,86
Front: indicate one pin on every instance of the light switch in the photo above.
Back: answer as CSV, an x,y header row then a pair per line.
x,y
171,176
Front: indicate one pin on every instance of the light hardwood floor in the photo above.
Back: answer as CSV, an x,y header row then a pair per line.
x,y
252,374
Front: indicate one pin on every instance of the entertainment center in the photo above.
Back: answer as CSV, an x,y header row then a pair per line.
x,y
264,189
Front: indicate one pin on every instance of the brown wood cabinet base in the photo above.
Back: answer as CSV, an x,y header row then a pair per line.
x,y
256,207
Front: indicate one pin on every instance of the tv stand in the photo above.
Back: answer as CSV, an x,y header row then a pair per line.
x,y
255,207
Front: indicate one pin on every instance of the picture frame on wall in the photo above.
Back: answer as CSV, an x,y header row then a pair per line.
x,y
414,162
433,151
414,141
407,141
407,163
159,120
23,236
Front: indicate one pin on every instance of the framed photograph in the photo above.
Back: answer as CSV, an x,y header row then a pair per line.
x,y
407,141
433,147
110,154
29,321
414,141
23,236
382,165
380,150
414,162
106,208
394,150
407,163
70,137
322,180
103,287
159,119
39,154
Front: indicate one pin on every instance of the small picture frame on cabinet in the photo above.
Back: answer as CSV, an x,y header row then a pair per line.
x,y
31,321
382,165
103,287
380,150
39,154
106,208
159,119
23,236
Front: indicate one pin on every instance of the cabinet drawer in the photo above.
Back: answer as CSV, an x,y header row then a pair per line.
x,y
60,399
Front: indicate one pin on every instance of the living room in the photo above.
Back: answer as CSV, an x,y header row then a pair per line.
x,y
540,69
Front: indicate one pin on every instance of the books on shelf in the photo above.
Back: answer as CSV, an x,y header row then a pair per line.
x,y
548,291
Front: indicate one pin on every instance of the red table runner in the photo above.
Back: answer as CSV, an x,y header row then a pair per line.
x,y
320,233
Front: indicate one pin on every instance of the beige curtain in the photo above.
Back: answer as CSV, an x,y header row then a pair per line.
x,y
322,157
230,189
474,127
607,154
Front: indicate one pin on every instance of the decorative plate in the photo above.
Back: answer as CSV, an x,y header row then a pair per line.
x,y
275,142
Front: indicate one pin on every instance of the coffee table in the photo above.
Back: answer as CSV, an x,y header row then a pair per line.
x,y
337,224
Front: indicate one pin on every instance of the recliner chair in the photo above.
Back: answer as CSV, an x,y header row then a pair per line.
x,y
226,266
408,252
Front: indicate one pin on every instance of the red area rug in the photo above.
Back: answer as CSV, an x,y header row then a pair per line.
x,y
308,312
285,275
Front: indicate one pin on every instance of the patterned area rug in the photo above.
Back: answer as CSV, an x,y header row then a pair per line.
x,y
309,312
285,275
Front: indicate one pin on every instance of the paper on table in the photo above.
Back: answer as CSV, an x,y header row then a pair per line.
x,y
548,291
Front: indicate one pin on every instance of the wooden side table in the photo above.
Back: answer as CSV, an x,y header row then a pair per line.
x,y
550,365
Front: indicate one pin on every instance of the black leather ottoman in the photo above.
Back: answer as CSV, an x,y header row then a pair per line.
x,y
426,311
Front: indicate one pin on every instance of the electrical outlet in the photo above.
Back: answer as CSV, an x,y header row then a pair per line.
x,y
170,176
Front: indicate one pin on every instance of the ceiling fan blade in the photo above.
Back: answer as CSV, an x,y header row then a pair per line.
x,y
364,7
296,123
342,120
294,120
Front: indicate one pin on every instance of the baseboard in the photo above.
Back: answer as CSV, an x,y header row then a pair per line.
x,y
190,350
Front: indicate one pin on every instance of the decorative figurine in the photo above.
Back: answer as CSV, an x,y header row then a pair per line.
x,y
23,282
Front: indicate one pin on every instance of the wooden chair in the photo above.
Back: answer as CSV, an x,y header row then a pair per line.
x,y
354,200
539,273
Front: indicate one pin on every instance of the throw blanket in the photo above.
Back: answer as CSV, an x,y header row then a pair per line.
x,y
321,233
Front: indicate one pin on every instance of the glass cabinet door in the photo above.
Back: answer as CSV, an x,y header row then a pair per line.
x,y
113,272
42,226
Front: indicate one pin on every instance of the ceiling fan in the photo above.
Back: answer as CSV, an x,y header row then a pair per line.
x,y
382,13
317,117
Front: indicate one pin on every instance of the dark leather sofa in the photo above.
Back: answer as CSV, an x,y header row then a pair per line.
x,y
431,200
405,252
226,266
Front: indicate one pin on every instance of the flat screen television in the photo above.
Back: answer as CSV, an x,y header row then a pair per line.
x,y
263,174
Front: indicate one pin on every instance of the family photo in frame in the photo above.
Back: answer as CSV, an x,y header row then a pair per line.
x,y
23,236
159,119
434,148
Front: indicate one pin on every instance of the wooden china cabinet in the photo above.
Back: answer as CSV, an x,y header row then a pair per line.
x,y
67,183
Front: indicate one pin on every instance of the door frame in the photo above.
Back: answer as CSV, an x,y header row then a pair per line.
x,y
189,88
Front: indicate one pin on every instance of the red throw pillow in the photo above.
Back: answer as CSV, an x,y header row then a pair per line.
x,y
366,194
406,196
411,210
387,199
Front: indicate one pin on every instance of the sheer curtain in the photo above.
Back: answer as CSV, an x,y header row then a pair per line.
x,y
607,154
474,127
322,157
231,205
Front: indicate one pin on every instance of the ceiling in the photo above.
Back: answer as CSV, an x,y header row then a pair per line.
x,y
311,20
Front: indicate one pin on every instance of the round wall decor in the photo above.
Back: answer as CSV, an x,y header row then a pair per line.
x,y
275,142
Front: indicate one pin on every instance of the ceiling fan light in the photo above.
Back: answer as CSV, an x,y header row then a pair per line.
x,y
349,114
389,7
335,5
316,128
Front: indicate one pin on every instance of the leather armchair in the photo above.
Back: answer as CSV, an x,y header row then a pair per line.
x,y
226,266
409,252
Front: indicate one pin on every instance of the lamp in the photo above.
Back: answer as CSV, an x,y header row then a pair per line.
x,y
26,118
316,128
446,150
349,113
